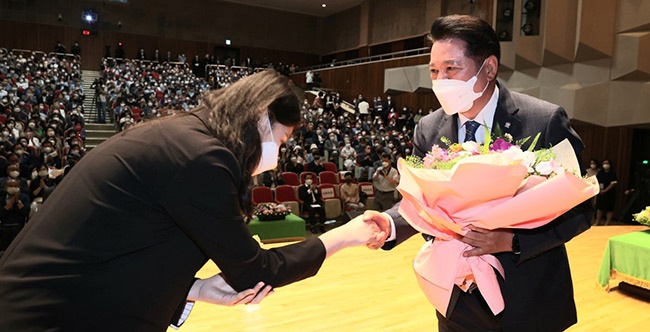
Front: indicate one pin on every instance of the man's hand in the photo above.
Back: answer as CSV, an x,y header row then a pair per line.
x,y
215,290
486,241
363,232
355,232
383,223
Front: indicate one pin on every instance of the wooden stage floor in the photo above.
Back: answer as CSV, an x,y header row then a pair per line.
x,y
362,290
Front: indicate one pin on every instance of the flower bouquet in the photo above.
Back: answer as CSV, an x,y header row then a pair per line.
x,y
271,211
643,217
494,185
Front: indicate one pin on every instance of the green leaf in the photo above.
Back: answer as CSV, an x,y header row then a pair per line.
x,y
532,145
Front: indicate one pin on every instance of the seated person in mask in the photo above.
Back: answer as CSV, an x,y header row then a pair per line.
x,y
72,159
312,204
350,194
14,212
13,173
293,165
49,155
316,165
41,185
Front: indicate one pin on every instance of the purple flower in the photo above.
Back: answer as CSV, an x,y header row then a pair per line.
x,y
500,145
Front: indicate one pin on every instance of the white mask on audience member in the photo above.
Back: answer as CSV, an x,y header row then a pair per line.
x,y
14,174
13,190
309,182
269,159
457,96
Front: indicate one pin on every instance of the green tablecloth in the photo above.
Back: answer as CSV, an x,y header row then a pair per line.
x,y
291,228
627,257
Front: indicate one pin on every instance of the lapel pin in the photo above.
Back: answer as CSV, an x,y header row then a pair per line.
x,y
507,125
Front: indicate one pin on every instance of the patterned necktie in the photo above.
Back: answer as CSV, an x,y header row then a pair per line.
x,y
470,130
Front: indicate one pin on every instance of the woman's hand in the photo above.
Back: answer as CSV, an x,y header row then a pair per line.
x,y
216,290
356,232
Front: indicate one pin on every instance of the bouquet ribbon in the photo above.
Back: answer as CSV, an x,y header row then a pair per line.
x,y
481,191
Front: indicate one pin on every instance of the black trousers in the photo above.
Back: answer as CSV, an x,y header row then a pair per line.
x,y
316,214
470,313
8,234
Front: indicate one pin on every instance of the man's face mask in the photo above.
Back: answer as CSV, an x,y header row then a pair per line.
x,y
457,96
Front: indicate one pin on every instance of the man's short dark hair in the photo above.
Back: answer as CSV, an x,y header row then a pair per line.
x,y
347,174
480,38
386,156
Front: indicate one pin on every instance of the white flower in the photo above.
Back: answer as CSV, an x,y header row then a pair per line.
x,y
528,160
545,168
513,154
471,147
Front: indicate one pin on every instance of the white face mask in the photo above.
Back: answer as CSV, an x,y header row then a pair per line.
x,y
457,95
13,190
14,174
309,182
269,159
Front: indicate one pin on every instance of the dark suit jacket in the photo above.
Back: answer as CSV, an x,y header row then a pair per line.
x,y
307,197
312,167
117,244
537,289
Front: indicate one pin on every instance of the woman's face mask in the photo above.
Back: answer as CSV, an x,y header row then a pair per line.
x,y
269,159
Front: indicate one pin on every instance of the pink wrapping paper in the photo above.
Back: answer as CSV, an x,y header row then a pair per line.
x,y
443,203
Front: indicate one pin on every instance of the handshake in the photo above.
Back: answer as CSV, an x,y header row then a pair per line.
x,y
370,229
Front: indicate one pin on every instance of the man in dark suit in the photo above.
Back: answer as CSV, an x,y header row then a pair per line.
x,y
312,204
316,165
537,288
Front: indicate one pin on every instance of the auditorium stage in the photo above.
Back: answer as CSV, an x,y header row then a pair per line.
x,y
362,290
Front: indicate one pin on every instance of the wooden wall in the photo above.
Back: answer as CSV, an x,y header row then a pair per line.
x,y
614,144
43,37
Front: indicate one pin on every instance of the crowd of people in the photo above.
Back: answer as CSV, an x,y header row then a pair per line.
x,y
133,91
42,126
355,142
364,145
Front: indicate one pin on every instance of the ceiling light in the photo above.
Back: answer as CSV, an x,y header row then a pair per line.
x,y
324,5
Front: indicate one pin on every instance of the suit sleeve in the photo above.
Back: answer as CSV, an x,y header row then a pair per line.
x,y
403,230
207,210
534,242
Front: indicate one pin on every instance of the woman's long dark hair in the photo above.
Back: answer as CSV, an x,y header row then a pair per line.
x,y
235,112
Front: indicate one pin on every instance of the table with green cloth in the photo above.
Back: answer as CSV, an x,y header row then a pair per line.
x,y
627,258
291,228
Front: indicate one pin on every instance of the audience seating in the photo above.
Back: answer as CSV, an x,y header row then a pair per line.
x,y
262,195
369,189
330,166
331,201
328,177
286,195
290,178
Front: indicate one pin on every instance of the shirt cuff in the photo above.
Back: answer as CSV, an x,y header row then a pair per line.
x,y
393,234
184,315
